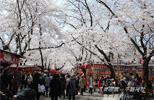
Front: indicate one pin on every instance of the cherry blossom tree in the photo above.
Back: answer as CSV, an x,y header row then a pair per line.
x,y
29,25
136,20
94,32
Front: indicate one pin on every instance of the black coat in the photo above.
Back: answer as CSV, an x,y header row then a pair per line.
x,y
55,87
63,83
5,90
71,86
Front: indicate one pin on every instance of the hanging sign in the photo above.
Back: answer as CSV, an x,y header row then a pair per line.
x,y
8,58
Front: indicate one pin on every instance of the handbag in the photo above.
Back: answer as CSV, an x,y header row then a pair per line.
x,y
41,88
75,91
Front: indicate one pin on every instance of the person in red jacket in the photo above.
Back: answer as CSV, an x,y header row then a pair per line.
x,y
98,85
85,87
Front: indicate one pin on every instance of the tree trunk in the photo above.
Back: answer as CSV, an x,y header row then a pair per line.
x,y
146,72
112,75
42,61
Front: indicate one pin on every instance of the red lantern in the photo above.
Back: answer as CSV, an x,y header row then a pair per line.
x,y
83,66
79,66
87,66
80,73
28,69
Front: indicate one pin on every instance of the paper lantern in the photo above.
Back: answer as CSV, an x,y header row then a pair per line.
x,y
80,73
83,66
79,66
28,69
87,66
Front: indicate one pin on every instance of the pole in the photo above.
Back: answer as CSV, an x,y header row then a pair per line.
x,y
118,68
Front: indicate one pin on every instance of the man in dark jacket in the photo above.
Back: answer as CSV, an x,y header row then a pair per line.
x,y
4,92
63,83
55,87
6,79
71,87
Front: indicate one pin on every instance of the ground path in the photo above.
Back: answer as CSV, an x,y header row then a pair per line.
x,y
94,96
87,96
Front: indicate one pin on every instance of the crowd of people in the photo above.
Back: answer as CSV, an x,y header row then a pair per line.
x,y
62,85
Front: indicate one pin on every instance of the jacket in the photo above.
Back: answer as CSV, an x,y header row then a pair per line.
x,y
71,86
82,83
55,87
5,90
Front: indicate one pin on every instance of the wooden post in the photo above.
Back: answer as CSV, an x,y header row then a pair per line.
x,y
118,68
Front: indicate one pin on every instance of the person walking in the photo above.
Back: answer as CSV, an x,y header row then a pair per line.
x,y
90,81
47,84
24,80
82,84
4,92
55,87
66,85
72,87
63,82
34,84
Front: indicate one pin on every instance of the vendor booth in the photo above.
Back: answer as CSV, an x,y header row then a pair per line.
x,y
7,59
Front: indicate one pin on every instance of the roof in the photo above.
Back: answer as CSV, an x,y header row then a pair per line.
x,y
130,65
19,56
137,65
25,66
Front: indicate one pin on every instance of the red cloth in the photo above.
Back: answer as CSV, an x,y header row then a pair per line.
x,y
86,82
98,84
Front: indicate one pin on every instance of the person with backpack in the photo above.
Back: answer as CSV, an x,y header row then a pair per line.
x,y
72,89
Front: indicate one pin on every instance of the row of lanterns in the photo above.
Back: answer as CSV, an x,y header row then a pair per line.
x,y
83,66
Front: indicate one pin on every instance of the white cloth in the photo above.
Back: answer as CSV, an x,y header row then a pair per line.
x,y
25,77
91,83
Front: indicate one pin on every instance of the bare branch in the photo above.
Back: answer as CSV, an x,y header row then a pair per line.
x,y
103,3
88,50
91,18
135,44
